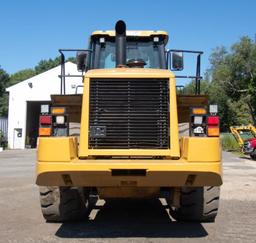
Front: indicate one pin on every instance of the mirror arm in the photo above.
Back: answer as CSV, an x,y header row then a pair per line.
x,y
62,78
62,62
198,75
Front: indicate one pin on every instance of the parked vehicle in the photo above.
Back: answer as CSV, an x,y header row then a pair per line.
x,y
246,138
129,145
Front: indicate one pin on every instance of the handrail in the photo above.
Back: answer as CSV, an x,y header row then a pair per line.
x,y
63,75
198,76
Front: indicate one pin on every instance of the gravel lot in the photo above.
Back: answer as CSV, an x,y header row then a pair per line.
x,y
119,221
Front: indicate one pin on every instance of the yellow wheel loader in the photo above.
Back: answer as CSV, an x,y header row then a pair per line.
x,y
246,139
129,135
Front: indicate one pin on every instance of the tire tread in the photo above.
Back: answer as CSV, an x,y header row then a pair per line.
x,y
62,204
197,204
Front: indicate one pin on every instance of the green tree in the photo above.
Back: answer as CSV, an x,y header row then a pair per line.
x,y
4,79
45,65
235,73
21,75
230,82
190,87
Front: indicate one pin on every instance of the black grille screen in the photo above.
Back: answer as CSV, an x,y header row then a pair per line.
x,y
129,114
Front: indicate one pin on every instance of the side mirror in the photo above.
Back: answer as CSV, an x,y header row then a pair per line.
x,y
177,61
81,60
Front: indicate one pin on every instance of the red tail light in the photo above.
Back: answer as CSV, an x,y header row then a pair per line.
x,y
45,120
213,120
213,126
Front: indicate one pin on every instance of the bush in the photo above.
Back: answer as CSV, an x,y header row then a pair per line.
x,y
229,143
3,142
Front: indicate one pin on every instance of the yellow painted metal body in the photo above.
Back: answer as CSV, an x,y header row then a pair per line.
x,y
132,33
189,161
130,73
204,165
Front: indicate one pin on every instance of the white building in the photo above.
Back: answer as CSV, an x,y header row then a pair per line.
x,y
26,97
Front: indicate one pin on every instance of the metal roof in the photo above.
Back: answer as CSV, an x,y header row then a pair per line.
x,y
133,33
143,33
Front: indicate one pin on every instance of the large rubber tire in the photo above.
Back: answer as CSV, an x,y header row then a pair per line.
x,y
62,204
253,155
199,204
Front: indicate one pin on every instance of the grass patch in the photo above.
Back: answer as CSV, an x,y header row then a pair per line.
x,y
229,143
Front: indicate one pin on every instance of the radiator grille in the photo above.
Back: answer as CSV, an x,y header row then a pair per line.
x,y
129,114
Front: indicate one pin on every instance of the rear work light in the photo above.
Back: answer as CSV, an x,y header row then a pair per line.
x,y
198,120
60,120
45,108
213,109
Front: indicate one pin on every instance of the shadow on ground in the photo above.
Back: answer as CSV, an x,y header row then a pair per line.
x,y
245,157
122,218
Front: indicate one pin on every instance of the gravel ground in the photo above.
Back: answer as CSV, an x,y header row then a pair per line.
x,y
120,221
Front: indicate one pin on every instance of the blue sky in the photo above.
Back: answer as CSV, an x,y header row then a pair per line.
x,y
34,30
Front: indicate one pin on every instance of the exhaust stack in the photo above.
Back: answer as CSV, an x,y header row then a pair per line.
x,y
120,43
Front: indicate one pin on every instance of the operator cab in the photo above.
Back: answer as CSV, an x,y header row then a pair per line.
x,y
144,49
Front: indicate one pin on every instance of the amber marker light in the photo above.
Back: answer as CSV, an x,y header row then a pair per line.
x,y
58,110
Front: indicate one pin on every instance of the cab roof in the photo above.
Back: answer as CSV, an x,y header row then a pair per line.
x,y
133,33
